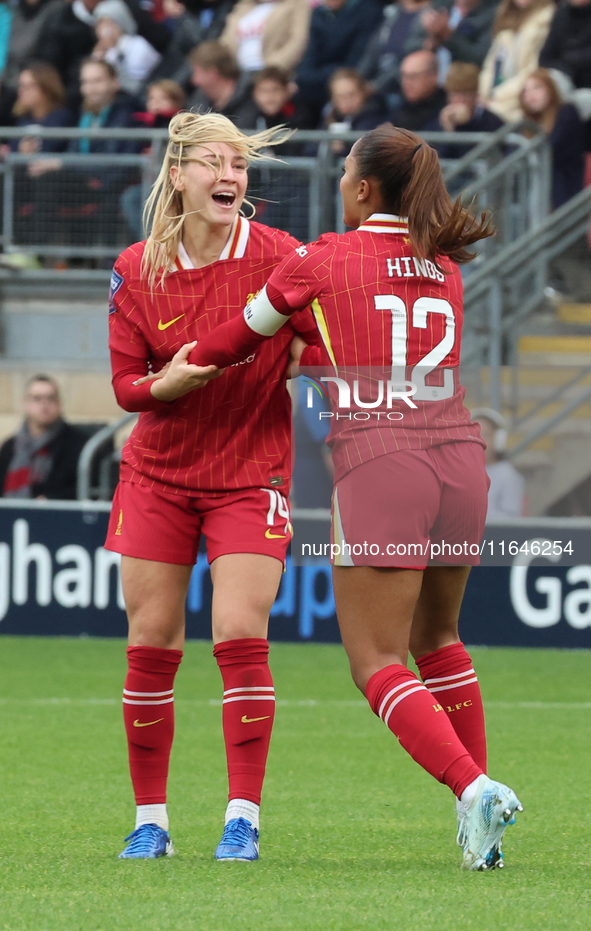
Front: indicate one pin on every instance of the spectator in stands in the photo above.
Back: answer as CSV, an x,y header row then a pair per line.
x,y
339,32
422,98
69,37
353,106
5,26
261,34
385,50
40,102
506,495
462,112
281,197
40,461
28,25
568,46
460,31
520,29
541,103
190,27
273,92
104,105
132,56
220,85
77,193
164,99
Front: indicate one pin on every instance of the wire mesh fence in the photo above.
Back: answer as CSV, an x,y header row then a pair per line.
x,y
90,206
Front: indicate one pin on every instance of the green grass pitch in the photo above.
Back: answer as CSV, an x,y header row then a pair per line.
x,y
354,834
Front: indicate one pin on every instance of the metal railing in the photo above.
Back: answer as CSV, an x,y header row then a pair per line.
x,y
503,292
91,461
500,295
91,206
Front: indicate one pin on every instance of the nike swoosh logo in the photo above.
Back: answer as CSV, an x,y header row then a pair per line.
x,y
165,326
137,723
246,720
274,536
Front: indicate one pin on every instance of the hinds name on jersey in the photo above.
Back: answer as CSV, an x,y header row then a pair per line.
x,y
409,267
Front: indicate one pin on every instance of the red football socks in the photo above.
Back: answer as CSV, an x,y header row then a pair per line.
x,y
248,713
450,677
148,712
422,727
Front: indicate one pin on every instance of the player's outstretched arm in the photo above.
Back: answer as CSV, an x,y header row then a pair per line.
x,y
238,338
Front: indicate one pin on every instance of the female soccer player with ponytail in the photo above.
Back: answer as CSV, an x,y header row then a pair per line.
x,y
389,295
215,461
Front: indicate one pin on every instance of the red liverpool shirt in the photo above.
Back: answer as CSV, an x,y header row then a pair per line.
x,y
235,432
376,306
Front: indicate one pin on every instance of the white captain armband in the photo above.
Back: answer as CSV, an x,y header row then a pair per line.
x,y
261,316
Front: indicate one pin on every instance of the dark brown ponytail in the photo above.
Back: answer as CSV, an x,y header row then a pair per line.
x,y
409,179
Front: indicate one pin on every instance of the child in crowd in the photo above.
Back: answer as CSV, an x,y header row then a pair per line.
x,y
273,92
118,43
164,99
282,196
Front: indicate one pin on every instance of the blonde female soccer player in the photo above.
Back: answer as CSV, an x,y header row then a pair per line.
x,y
214,461
389,295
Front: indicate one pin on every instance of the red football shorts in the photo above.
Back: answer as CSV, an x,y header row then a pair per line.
x,y
149,523
412,508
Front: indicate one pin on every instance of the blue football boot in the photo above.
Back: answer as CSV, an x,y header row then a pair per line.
x,y
482,827
147,843
240,841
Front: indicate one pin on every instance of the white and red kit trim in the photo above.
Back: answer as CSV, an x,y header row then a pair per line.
x,y
250,693
444,683
396,695
148,698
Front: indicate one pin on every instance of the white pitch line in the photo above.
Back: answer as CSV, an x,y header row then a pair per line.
x,y
289,703
540,705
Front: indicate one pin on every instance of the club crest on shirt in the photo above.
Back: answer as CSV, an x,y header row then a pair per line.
x,y
116,282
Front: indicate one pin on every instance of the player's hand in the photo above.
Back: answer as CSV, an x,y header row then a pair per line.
x,y
181,377
295,354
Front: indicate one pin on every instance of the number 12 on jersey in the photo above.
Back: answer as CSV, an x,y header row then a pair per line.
x,y
421,309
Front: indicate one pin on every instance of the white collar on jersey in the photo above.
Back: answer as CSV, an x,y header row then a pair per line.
x,y
384,223
234,248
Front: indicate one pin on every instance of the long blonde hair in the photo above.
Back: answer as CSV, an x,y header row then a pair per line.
x,y
164,208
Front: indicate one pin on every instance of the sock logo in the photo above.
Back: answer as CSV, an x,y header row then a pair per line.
x,y
137,723
459,705
246,720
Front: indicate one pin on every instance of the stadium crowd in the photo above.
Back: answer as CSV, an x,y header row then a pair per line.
x,y
426,65
341,64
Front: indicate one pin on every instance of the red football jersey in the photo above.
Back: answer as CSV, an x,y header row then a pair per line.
x,y
235,432
377,306
384,316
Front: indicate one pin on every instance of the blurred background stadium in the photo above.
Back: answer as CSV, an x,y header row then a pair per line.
x,y
501,89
